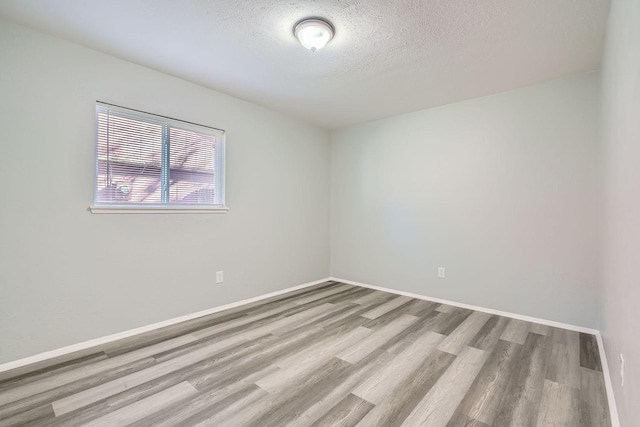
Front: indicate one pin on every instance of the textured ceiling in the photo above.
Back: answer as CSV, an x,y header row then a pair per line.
x,y
388,56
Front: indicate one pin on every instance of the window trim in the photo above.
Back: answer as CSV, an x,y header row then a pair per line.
x,y
167,209
140,208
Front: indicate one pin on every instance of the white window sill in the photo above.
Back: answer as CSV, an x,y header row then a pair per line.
x,y
142,209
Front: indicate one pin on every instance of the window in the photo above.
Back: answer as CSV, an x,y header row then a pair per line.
x,y
146,162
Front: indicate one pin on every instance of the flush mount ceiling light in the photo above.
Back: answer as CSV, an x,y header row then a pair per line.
x,y
313,33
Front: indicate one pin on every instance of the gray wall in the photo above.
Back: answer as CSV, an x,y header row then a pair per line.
x,y
621,269
500,190
67,275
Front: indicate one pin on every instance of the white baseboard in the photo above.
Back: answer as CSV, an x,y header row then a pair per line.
x,y
613,409
41,357
615,422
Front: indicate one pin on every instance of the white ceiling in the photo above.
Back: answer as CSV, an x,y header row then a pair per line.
x,y
388,56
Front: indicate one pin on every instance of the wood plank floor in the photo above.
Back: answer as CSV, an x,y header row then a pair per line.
x,y
330,355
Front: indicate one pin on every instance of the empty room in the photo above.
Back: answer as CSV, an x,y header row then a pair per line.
x,y
320,213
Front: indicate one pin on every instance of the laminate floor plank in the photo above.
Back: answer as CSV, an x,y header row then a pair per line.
x,y
35,387
374,296
271,348
560,406
33,403
230,411
271,302
594,409
297,405
484,399
440,403
446,323
348,312
320,295
461,420
308,360
268,303
242,321
347,413
178,413
279,313
359,350
564,365
331,354
444,308
537,328
387,318
457,340
337,337
388,379
386,307
286,405
47,367
41,414
19,381
359,373
164,334
348,295
274,354
119,401
188,348
589,356
419,308
395,408
490,333
144,407
516,331
522,398
401,341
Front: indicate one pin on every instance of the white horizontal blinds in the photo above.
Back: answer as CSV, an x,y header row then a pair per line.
x,y
192,167
129,158
146,159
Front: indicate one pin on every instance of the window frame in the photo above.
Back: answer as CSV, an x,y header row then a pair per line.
x,y
165,207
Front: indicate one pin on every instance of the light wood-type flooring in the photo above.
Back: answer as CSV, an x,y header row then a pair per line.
x,y
329,355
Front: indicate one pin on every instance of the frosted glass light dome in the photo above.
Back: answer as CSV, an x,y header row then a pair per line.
x,y
313,33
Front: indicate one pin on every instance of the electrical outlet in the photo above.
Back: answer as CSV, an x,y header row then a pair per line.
x,y
219,276
622,369
441,272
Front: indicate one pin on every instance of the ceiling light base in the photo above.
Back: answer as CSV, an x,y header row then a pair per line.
x,y
313,33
